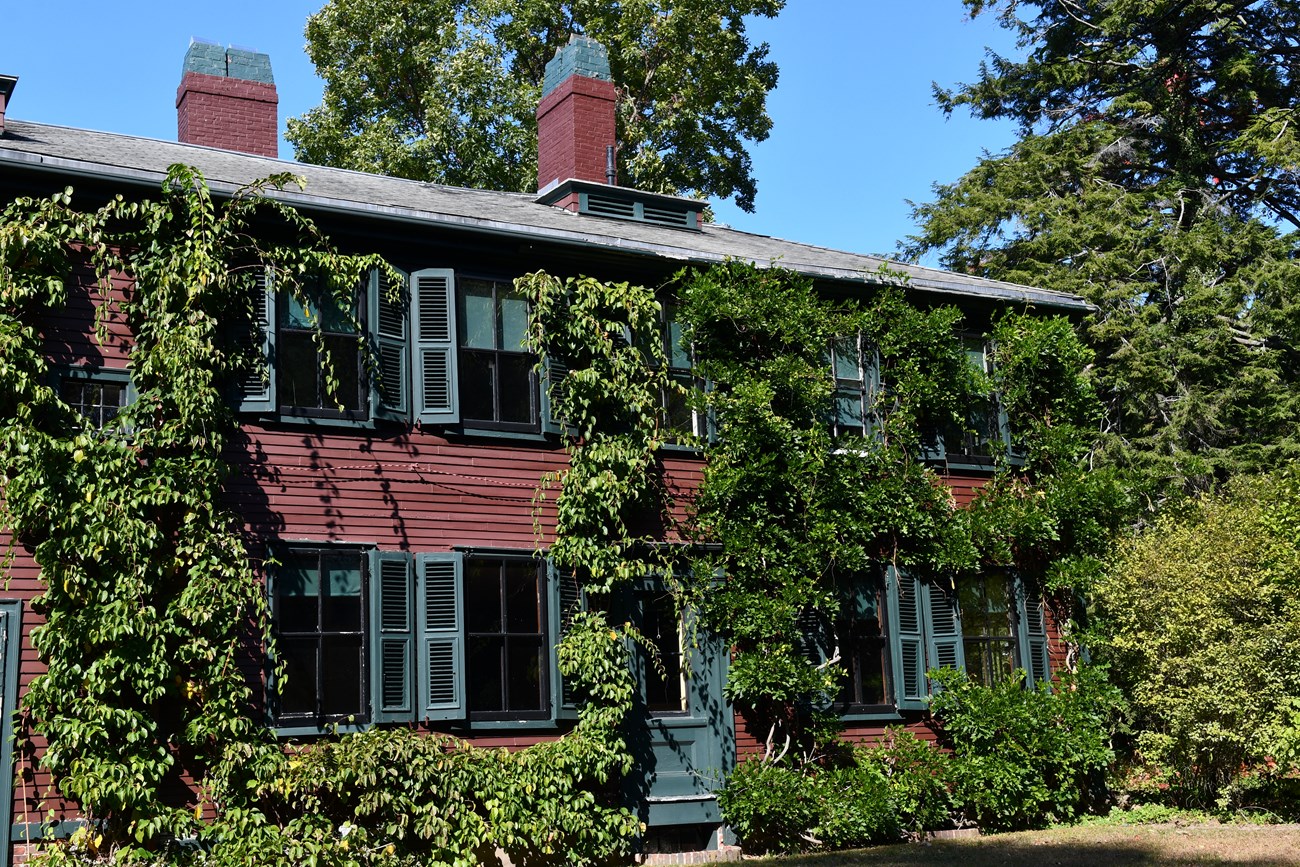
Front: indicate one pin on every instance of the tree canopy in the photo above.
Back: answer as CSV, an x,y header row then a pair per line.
x,y
1156,176
446,90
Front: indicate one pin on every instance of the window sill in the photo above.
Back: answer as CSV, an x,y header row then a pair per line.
x,y
516,436
310,730
854,716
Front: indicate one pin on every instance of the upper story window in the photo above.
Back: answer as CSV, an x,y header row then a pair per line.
x,y
981,439
681,418
435,349
498,383
305,383
854,368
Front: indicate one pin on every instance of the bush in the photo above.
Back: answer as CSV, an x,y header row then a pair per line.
x,y
917,775
772,807
1024,758
1201,621
856,808
872,796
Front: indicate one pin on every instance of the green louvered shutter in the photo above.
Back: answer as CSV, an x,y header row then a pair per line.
x,y
389,323
257,391
567,599
554,374
392,592
433,315
943,622
1032,620
905,615
440,618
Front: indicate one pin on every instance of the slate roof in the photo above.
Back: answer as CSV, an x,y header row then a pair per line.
x,y
136,160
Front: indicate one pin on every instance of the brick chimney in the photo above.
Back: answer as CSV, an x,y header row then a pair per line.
x,y
575,119
7,84
227,100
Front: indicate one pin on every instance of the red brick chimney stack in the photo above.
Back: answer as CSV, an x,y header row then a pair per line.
x,y
7,84
227,100
575,119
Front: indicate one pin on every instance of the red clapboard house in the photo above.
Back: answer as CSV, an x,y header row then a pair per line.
x,y
427,493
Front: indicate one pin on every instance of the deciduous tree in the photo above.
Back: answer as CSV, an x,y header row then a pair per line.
x,y
446,90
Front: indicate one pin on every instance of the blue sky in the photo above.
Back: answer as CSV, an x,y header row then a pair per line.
x,y
855,129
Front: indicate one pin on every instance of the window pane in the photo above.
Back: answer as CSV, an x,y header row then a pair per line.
x,y
679,355
486,692
298,686
524,674
679,417
476,315
342,661
297,587
523,604
295,315
333,317
514,321
477,385
848,410
515,387
345,357
845,353
297,367
483,595
661,626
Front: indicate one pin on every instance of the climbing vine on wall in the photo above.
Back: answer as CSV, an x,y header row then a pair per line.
x,y
799,512
150,598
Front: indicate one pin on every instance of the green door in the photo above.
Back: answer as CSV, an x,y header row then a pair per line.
x,y
682,732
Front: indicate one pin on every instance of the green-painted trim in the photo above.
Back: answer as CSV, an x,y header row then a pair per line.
x,y
13,612
29,832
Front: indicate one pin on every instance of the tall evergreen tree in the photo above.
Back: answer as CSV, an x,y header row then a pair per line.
x,y
1157,174
445,90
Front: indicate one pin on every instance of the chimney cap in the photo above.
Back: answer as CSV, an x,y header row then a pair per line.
x,y
213,58
582,56
7,84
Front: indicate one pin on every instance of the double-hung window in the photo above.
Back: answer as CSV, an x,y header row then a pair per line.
x,y
507,659
321,375
853,365
889,634
498,380
682,418
435,349
321,626
980,440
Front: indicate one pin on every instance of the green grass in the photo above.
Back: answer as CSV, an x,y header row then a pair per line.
x,y
1088,845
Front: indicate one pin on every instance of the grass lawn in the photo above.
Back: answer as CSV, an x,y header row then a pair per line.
x,y
1085,846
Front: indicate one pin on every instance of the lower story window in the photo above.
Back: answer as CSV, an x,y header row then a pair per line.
x,y
862,651
95,395
507,654
986,622
319,613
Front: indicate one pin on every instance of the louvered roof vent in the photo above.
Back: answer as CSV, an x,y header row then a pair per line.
x,y
624,203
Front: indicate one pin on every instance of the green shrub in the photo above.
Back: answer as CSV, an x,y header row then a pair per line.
x,y
918,777
1024,758
1201,621
771,806
855,808
871,796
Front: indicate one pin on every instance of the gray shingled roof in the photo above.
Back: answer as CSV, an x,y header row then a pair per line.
x,y
140,160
